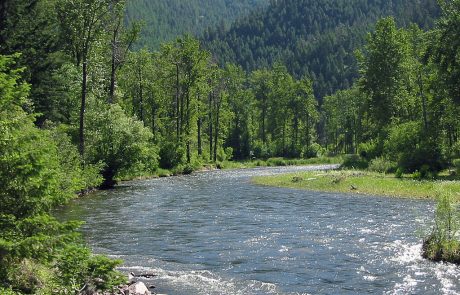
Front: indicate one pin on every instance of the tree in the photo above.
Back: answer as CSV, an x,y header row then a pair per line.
x,y
31,181
82,23
446,47
120,142
120,42
383,73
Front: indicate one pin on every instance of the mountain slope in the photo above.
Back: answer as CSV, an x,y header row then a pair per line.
x,y
314,37
166,19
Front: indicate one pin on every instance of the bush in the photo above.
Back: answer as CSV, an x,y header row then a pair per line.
x,y
399,173
261,151
122,143
456,164
78,267
369,150
312,151
411,150
31,278
382,165
276,162
442,244
354,162
171,155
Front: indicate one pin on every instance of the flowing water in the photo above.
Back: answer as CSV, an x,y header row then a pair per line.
x,y
216,233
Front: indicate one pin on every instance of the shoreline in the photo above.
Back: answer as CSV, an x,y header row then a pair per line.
x,y
361,183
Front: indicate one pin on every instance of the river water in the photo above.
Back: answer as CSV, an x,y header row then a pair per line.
x,y
216,233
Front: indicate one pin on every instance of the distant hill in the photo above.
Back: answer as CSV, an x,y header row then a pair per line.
x,y
315,37
166,19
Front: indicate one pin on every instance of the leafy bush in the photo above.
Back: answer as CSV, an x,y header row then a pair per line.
x,y
74,175
399,173
442,244
77,267
382,165
354,162
456,164
312,151
261,151
369,150
424,173
276,162
411,150
171,155
122,143
31,278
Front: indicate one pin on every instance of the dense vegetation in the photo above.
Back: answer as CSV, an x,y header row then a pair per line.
x,y
80,110
311,37
166,19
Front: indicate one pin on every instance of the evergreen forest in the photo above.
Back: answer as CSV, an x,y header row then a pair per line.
x,y
83,105
164,20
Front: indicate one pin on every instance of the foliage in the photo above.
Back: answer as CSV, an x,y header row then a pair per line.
x,y
166,19
354,162
119,142
405,146
33,181
314,38
443,244
77,268
456,163
171,155
382,165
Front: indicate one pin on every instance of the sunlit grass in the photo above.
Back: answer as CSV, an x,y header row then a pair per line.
x,y
359,182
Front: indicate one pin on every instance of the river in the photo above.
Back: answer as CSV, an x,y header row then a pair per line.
x,y
217,233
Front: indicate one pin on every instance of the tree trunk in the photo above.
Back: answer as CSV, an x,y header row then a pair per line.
x,y
200,148
264,138
210,126
82,108
153,120
187,126
177,105
141,95
216,128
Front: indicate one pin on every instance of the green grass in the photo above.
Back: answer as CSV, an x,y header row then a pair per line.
x,y
359,182
272,162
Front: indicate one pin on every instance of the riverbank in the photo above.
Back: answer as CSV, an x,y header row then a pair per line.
x,y
231,165
362,182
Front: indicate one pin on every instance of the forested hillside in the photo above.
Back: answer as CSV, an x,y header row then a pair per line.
x,y
315,37
80,109
166,19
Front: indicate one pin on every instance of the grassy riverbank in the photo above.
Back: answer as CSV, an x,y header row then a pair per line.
x,y
367,183
228,165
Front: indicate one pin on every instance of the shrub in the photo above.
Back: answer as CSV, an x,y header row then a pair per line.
x,y
78,267
261,151
31,277
369,150
411,150
456,164
382,165
354,162
312,151
399,173
122,143
442,243
171,155
276,162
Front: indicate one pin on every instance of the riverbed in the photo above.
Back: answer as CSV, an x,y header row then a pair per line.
x,y
217,233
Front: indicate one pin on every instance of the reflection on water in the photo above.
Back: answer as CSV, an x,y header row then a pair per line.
x,y
216,233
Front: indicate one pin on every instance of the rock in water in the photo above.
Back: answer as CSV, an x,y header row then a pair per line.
x,y
139,288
